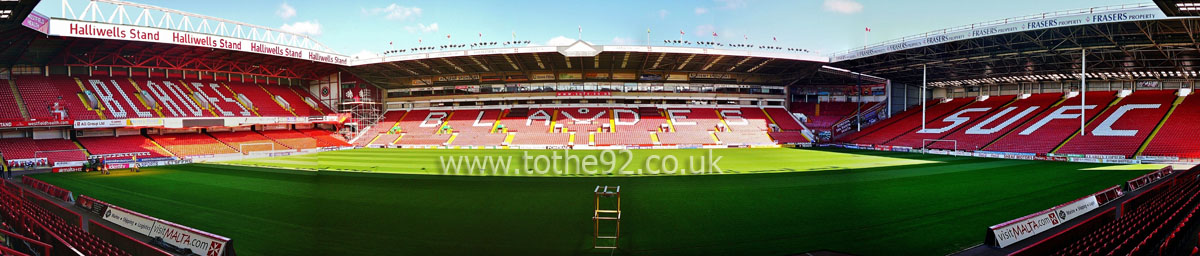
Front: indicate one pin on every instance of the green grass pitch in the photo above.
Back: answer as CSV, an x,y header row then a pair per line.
x,y
769,202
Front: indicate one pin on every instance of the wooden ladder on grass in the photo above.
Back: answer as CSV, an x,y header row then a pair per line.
x,y
606,239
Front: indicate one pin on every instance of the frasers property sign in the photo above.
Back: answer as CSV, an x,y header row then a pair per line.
x,y
1016,230
1133,14
71,28
198,241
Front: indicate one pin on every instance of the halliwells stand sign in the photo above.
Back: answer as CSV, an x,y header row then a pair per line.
x,y
72,28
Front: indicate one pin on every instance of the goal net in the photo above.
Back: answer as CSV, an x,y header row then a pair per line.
x,y
926,144
66,155
247,148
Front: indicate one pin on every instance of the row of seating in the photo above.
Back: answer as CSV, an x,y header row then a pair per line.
x,y
691,126
192,144
8,103
54,150
30,220
124,97
1048,123
1145,229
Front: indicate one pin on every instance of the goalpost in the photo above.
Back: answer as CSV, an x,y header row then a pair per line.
x,y
242,147
931,141
70,155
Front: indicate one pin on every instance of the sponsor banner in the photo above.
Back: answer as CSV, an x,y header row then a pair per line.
x,y
199,242
1020,157
100,123
1158,158
37,22
67,169
1148,178
1149,12
15,124
1104,156
1025,227
1083,160
583,94
1120,161
162,163
72,28
68,164
901,149
27,161
146,122
119,155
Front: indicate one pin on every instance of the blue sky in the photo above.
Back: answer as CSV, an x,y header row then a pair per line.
x,y
366,27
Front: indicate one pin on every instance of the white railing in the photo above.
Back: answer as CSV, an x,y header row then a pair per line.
x,y
114,12
1001,22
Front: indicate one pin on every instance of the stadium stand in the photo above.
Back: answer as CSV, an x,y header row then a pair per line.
x,y
8,103
54,150
261,101
121,147
937,128
382,140
907,125
326,138
582,120
1180,124
756,120
423,121
291,138
423,139
686,138
479,139
295,99
464,121
383,127
1015,114
649,120
31,220
1054,131
624,138
693,119
914,110
535,138
118,97
784,119
1142,112
745,138
788,137
1146,229
192,144
252,140
41,92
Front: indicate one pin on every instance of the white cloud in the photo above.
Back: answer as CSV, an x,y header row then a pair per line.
x,y
365,54
312,28
560,41
843,6
705,30
622,41
422,28
285,11
395,12
732,4
662,14
701,10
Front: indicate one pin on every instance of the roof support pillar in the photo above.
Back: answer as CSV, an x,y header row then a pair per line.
x,y
1083,91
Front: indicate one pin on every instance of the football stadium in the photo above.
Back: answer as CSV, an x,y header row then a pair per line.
x,y
169,129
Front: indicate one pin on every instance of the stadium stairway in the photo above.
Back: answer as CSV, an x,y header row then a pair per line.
x,y
16,94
